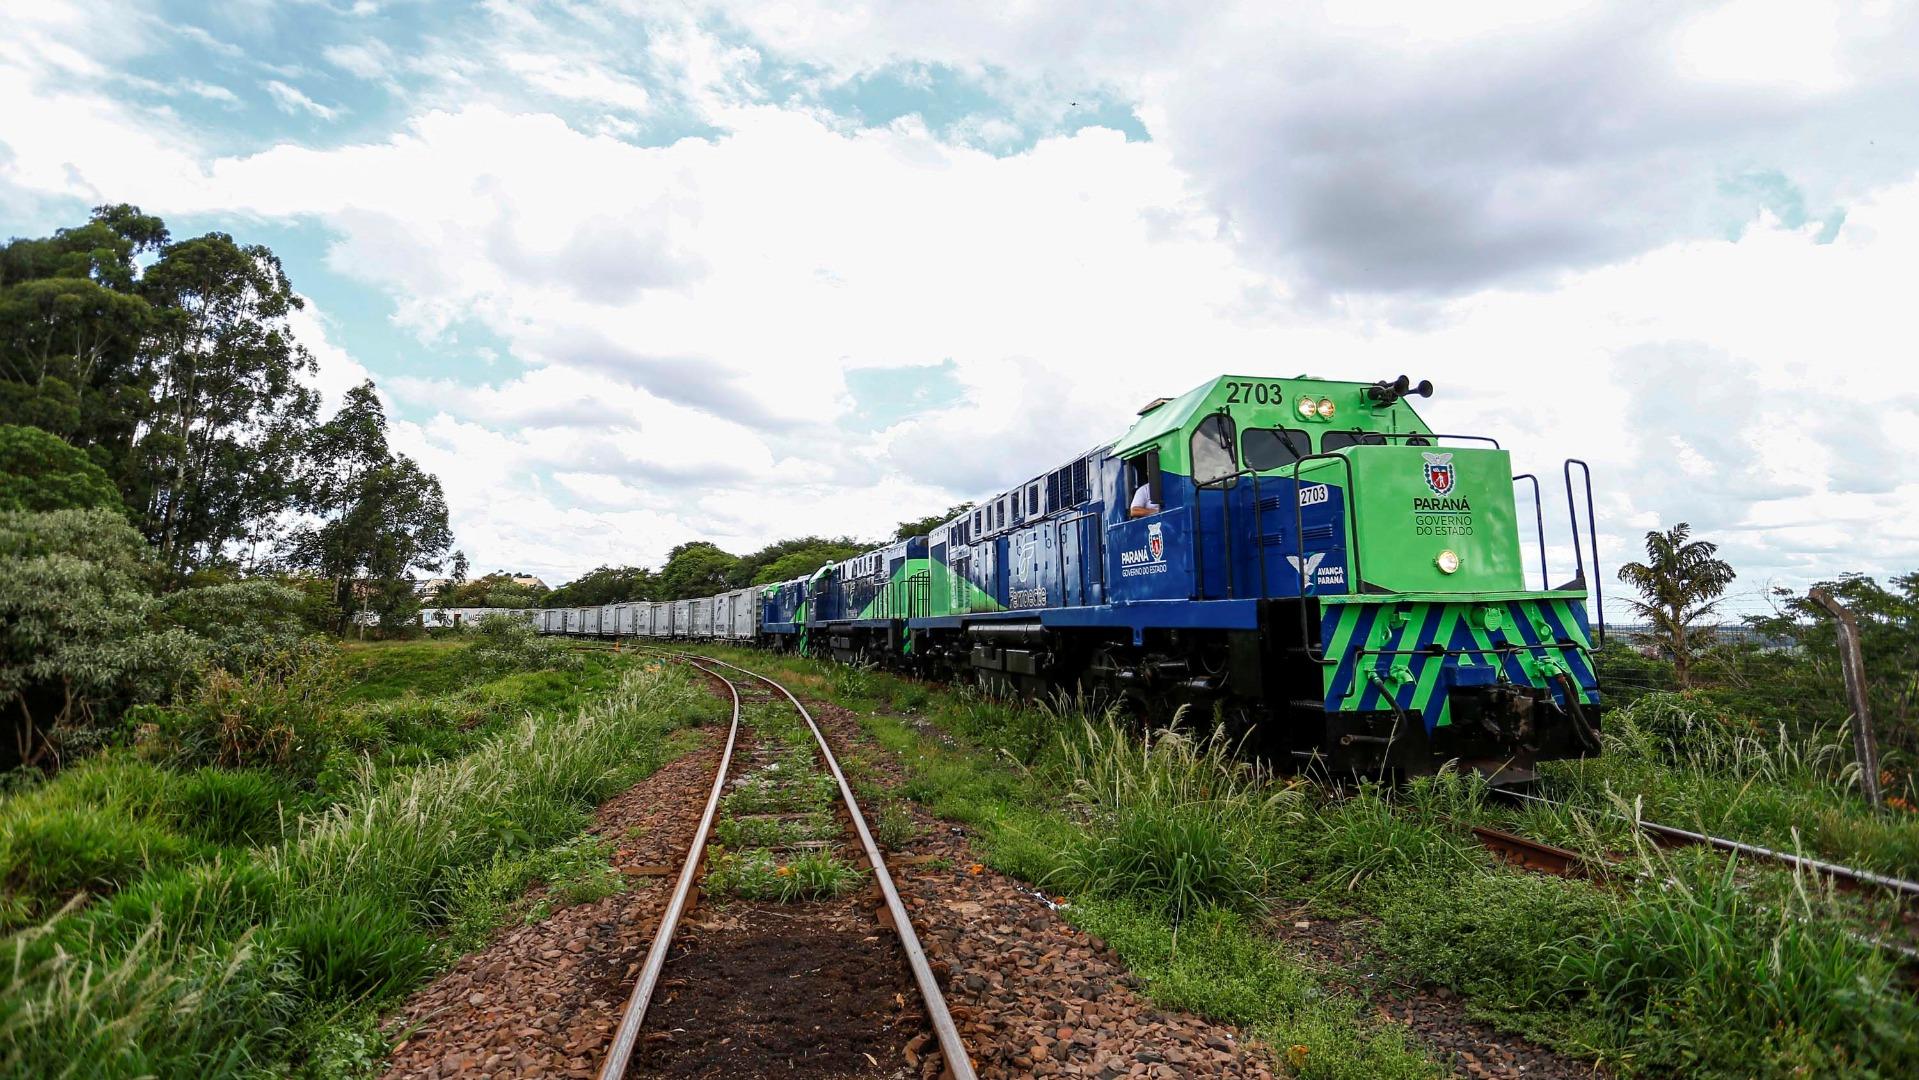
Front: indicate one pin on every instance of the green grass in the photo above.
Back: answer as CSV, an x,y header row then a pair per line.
x,y
1217,964
736,833
173,796
760,874
382,671
235,960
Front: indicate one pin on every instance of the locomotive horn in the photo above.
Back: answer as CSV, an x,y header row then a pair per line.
x,y
1424,389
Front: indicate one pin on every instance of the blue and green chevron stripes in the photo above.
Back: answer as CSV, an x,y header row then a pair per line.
x,y
1385,655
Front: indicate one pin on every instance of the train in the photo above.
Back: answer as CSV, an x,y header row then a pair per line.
x,y
1304,560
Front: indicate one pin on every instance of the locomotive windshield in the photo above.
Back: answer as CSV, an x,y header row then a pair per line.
x,y
1272,448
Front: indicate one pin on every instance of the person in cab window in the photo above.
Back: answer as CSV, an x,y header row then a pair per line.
x,y
1144,472
1143,504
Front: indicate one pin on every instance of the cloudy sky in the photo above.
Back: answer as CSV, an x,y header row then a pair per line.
x,y
634,273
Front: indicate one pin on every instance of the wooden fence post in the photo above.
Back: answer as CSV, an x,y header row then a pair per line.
x,y
1854,664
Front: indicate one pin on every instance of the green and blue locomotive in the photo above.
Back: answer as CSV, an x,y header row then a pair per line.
x,y
1307,558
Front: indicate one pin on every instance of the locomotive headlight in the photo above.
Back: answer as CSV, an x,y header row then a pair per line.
x,y
1306,407
1327,408
1447,561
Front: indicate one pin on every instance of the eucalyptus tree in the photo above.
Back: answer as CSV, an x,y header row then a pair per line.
x,y
373,516
73,330
1682,581
216,452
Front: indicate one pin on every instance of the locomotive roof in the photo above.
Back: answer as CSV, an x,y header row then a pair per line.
x,y
1163,416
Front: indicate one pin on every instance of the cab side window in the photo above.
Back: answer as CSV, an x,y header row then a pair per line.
x,y
1213,457
1143,471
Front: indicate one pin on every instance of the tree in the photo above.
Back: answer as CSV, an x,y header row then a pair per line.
x,y
377,514
80,635
606,585
72,330
793,557
925,525
40,471
492,590
802,562
220,439
1682,581
694,569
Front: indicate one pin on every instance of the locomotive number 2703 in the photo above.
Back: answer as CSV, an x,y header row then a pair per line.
x,y
1253,393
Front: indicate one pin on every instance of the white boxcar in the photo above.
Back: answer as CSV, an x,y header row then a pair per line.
x,y
702,610
745,615
589,621
648,619
663,618
609,619
682,618
553,621
723,615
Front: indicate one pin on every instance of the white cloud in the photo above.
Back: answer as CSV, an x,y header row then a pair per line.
x,y
291,100
370,59
566,77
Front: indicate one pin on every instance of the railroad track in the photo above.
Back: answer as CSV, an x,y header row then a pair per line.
x,y
958,1065
1535,855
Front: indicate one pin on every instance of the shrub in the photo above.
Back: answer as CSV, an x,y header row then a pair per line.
x,y
241,623
278,713
77,637
504,643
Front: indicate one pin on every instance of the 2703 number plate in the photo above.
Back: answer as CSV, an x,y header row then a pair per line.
x,y
1254,393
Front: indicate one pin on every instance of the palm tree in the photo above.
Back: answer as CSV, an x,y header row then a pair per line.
x,y
1682,582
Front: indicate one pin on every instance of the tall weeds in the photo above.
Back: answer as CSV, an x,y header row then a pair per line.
x,y
208,978
1173,820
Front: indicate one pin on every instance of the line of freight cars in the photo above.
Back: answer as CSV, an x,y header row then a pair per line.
x,y
730,616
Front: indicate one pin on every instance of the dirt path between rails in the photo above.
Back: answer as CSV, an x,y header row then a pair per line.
x,y
804,989
800,990
542,1000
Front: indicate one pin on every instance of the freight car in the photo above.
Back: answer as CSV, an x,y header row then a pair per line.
x,y
1306,559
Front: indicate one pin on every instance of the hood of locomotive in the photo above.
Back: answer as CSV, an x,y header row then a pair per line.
x,y
1440,624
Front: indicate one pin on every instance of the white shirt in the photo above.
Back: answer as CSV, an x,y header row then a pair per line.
x,y
1143,498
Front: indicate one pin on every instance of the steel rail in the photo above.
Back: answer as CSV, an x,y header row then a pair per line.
x,y
634,1016
1530,854
959,1066
1842,874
